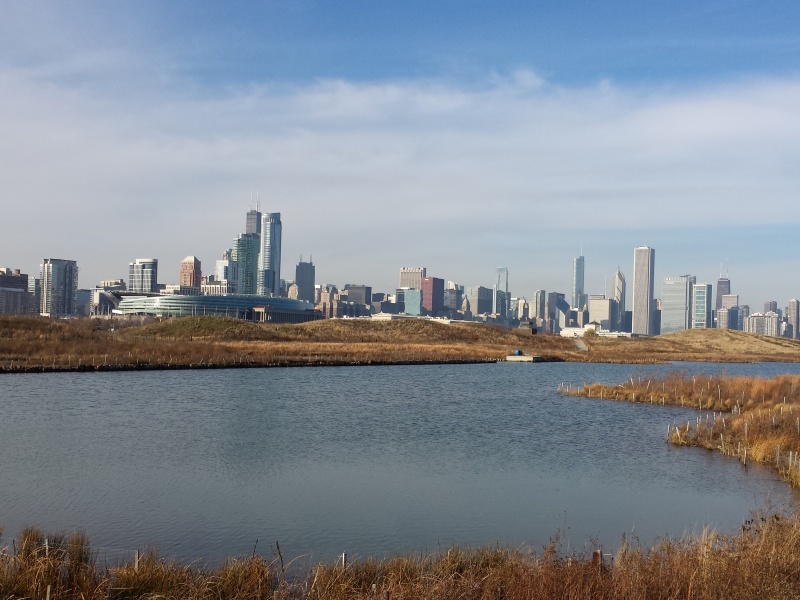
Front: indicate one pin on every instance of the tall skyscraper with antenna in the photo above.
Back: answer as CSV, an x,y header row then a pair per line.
x,y
723,288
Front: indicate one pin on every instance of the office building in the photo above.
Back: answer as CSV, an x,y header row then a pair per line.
x,y
730,300
767,323
411,277
143,275
723,289
269,267
618,294
14,298
728,318
500,294
701,306
432,295
793,316
676,303
305,277
578,296
412,301
603,311
479,299
359,294
253,225
643,273
59,287
191,275
557,311
539,301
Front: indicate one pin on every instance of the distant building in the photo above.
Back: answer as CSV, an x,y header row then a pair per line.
x,y
245,254
191,275
360,294
143,275
432,295
701,306
578,297
723,289
558,312
253,225
59,287
771,306
304,277
730,300
767,323
676,303
411,277
539,301
793,316
269,268
728,318
618,294
412,300
643,273
500,294
14,298
479,299
603,311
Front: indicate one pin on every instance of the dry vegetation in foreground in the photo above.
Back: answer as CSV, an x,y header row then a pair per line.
x,y
753,419
710,345
34,344
763,561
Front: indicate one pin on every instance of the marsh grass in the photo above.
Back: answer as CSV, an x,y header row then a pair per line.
x,y
761,561
754,419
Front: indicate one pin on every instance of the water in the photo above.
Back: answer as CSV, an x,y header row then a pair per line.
x,y
373,461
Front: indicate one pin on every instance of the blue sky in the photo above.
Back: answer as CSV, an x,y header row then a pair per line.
x,y
457,135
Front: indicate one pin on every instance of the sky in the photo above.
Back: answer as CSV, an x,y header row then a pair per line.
x,y
460,136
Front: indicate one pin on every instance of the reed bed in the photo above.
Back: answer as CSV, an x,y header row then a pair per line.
x,y
754,419
761,561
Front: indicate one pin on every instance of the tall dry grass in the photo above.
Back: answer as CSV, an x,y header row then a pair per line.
x,y
761,561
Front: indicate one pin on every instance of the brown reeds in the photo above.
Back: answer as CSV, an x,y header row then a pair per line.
x,y
754,419
761,561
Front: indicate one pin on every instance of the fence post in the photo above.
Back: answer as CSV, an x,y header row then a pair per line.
x,y
136,561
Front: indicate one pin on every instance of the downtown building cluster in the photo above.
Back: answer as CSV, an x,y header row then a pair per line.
x,y
246,282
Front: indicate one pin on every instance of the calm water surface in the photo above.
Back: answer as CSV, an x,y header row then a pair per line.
x,y
370,460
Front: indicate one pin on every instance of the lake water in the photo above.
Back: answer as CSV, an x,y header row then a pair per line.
x,y
369,460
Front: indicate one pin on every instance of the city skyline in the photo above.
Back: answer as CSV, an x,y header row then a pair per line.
x,y
142,133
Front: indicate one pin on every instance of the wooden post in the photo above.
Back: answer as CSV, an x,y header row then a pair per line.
x,y
344,560
46,548
136,561
47,597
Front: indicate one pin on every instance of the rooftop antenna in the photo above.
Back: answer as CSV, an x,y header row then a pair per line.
x,y
250,207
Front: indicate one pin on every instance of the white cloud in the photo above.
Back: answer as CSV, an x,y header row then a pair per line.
x,y
372,176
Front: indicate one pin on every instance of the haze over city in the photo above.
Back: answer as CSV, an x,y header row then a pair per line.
x,y
461,137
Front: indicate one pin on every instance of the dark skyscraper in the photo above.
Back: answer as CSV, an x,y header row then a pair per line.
x,y
304,277
723,289
432,295
253,221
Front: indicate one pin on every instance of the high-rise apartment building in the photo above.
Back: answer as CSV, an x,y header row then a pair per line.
x,y
190,275
771,306
730,300
767,323
143,275
578,296
59,287
643,272
244,252
728,317
304,277
793,316
411,277
269,269
701,306
676,303
14,298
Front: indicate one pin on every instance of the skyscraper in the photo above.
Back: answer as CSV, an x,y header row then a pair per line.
x,y
245,253
643,271
269,266
253,221
676,303
143,275
701,306
411,277
432,295
304,277
578,297
539,300
190,273
794,317
59,287
618,294
723,288
500,295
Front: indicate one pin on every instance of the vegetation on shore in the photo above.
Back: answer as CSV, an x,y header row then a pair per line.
x,y
32,344
762,561
751,418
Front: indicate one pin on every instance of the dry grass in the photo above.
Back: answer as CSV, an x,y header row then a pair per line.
x,y
753,419
763,561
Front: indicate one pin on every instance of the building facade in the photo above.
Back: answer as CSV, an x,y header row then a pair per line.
x,y
793,316
14,297
432,295
143,275
245,254
643,272
411,277
578,296
59,287
305,278
269,268
676,303
701,306
191,275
